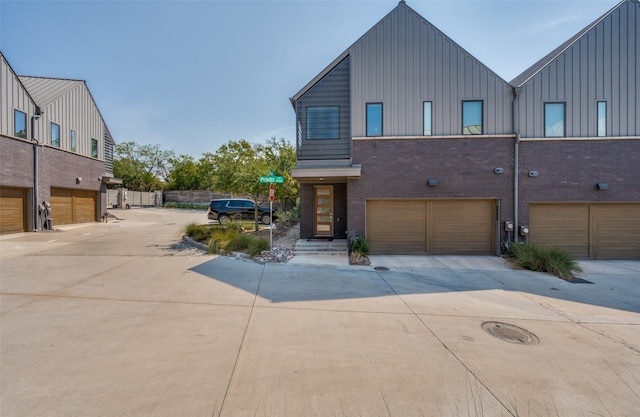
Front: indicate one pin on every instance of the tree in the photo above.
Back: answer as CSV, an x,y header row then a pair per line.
x,y
190,175
238,166
142,167
281,156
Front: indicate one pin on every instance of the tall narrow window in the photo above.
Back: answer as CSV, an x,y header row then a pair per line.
x,y
323,122
55,135
374,119
427,112
73,140
602,118
472,118
554,120
20,123
94,148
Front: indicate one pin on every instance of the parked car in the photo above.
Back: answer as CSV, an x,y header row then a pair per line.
x,y
224,209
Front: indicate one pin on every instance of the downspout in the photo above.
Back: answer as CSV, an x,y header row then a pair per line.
x,y
516,149
36,144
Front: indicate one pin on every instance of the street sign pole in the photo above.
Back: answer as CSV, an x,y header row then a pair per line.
x,y
271,197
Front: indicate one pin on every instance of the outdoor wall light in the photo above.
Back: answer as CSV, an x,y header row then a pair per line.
x,y
602,186
432,182
78,180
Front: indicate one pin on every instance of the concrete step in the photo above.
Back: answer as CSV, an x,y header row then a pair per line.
x,y
336,247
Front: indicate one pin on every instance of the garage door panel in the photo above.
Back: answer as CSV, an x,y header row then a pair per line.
x,y
562,225
616,231
84,206
463,227
588,230
13,212
396,227
431,226
70,206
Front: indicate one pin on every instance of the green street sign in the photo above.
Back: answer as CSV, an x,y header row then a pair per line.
x,y
272,179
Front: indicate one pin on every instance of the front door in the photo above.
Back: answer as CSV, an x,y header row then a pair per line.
x,y
323,210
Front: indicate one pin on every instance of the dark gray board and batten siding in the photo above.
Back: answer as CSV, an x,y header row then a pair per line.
x,y
332,90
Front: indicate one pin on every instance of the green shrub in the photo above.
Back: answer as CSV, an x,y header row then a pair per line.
x,y
196,206
290,216
198,232
359,246
553,260
257,245
239,242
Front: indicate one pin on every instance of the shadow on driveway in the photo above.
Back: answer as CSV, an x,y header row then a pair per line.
x,y
613,286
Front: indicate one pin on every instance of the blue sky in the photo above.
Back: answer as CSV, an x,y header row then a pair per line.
x,y
192,75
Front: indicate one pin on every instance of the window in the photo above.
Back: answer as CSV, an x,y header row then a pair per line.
x,y
374,119
94,148
472,118
427,108
323,122
55,135
20,123
602,118
554,116
73,140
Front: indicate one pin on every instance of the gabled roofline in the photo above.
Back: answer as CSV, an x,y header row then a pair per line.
x,y
347,52
533,70
65,91
38,108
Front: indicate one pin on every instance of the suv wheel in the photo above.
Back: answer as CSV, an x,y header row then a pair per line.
x,y
223,218
265,218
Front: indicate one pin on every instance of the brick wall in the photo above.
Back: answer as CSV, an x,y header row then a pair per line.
x,y
569,170
400,168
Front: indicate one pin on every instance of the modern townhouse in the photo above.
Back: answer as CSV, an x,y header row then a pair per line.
x,y
408,140
54,148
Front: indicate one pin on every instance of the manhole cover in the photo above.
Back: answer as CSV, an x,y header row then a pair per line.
x,y
510,333
381,268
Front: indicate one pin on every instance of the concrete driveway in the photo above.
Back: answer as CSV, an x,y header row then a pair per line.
x,y
122,319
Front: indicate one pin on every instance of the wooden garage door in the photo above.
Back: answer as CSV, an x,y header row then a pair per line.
x,y
396,227
431,226
73,206
596,231
563,225
13,210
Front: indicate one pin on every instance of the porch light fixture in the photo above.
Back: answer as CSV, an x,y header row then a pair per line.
x,y
78,180
602,186
432,182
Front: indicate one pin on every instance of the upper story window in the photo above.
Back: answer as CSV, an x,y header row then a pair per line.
x,y
73,141
554,120
472,117
55,135
602,118
323,122
20,123
427,116
374,119
94,148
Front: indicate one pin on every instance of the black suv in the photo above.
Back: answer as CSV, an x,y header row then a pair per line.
x,y
224,209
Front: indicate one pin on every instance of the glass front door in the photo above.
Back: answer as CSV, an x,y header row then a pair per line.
x,y
323,210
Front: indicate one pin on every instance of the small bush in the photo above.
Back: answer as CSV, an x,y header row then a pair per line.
x,y
359,246
257,245
290,216
198,232
553,260
195,206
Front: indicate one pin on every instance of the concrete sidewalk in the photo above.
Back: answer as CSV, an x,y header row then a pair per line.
x,y
122,319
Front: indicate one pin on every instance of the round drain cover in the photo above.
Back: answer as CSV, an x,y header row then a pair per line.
x,y
510,333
